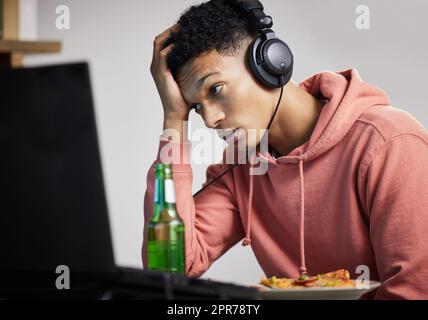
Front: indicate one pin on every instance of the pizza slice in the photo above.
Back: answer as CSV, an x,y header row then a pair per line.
x,y
338,278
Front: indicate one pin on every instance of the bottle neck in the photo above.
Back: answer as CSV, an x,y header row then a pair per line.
x,y
159,191
159,197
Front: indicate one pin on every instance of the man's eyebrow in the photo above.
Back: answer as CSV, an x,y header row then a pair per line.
x,y
200,82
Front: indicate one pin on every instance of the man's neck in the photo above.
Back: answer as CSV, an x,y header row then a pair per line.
x,y
295,120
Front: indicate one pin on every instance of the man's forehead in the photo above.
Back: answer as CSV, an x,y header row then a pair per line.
x,y
199,66
211,61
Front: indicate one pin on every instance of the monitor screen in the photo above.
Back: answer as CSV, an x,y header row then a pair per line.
x,y
53,208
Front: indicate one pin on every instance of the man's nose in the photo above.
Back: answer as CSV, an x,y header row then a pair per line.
x,y
213,117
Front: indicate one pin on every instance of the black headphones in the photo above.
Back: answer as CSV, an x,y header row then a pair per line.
x,y
270,58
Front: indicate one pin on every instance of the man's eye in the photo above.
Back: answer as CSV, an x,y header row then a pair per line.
x,y
216,89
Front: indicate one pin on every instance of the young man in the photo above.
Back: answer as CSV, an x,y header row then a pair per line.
x,y
347,178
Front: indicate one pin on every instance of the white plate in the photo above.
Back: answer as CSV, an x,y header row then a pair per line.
x,y
325,293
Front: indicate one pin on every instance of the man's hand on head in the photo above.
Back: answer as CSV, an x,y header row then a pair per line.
x,y
173,103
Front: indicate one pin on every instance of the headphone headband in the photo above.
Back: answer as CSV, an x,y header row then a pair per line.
x,y
255,9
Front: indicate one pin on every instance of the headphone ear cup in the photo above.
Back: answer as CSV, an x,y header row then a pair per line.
x,y
264,58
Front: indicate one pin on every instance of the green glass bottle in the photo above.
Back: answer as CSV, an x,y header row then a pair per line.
x,y
159,200
166,231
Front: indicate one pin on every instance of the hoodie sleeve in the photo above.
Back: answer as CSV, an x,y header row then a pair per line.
x,y
211,219
397,203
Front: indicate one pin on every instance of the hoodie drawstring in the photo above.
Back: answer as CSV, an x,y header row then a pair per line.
x,y
303,270
247,239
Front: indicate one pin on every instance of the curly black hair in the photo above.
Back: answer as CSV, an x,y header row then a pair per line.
x,y
216,24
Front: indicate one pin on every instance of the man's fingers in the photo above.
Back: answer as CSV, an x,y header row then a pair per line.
x,y
172,28
159,41
159,46
162,61
163,55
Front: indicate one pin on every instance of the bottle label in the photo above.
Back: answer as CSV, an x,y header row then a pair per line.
x,y
169,191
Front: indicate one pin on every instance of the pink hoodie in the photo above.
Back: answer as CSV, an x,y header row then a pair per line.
x,y
354,194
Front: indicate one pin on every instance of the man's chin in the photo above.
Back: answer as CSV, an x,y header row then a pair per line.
x,y
242,141
243,145
241,149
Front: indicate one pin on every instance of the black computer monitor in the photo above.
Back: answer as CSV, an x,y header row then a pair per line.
x,y
53,208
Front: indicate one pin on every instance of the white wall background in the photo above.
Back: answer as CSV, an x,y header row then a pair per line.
x,y
28,19
116,37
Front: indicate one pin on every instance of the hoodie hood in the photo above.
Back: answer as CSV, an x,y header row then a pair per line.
x,y
347,97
